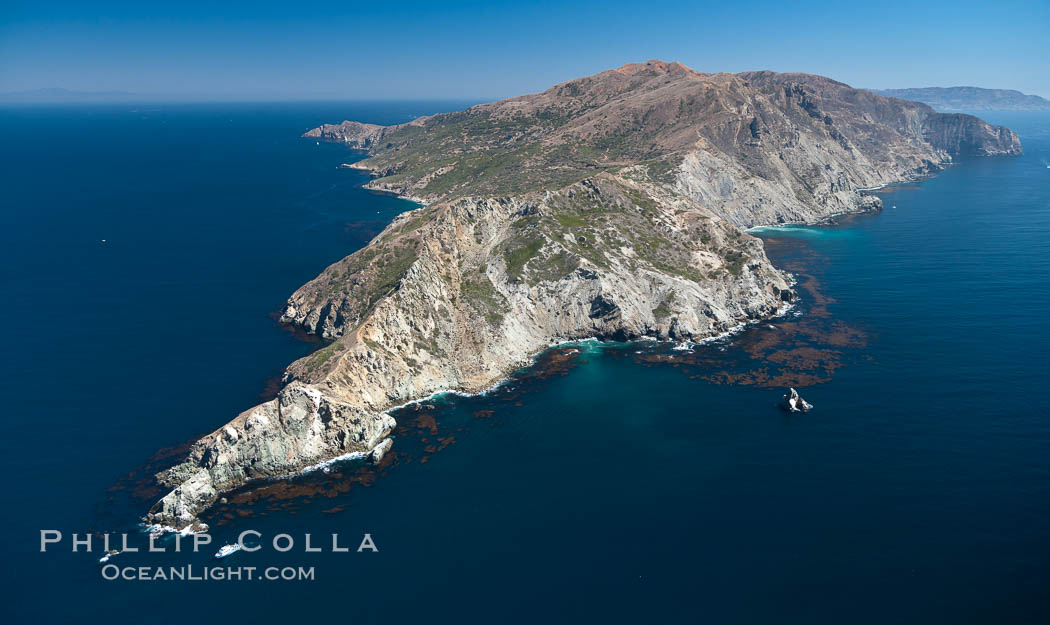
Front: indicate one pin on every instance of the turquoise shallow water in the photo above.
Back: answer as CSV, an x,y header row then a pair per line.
x,y
610,482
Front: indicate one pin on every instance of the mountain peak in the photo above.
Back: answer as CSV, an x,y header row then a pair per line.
x,y
655,66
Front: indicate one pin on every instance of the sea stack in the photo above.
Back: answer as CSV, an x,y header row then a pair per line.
x,y
792,402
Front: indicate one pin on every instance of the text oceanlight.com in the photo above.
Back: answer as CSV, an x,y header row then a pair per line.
x,y
191,573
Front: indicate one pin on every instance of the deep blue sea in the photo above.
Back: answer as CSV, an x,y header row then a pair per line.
x,y
145,248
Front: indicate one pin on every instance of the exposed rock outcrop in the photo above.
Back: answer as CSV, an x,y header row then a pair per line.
x,y
792,402
966,135
607,206
380,450
354,134
299,428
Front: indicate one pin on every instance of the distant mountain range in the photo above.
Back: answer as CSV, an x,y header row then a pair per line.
x,y
969,98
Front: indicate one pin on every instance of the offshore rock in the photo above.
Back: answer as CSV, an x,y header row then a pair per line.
x,y
380,450
792,402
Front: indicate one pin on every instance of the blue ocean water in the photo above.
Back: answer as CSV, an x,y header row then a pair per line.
x,y
609,483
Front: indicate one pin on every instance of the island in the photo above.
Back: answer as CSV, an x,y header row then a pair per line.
x,y
970,98
611,206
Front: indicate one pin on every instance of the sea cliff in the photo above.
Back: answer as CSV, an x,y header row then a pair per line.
x,y
609,206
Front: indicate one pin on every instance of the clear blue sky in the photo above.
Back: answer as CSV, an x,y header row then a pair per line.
x,y
402,49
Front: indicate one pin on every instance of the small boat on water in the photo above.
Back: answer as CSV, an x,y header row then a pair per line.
x,y
109,554
227,550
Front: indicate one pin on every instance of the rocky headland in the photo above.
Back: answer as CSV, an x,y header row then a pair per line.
x,y
610,206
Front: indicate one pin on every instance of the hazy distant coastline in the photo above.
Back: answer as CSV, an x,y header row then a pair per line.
x,y
56,95
969,98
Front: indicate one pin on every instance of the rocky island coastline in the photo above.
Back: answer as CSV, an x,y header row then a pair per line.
x,y
970,98
610,206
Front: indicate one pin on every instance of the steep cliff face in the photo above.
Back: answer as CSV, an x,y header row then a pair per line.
x,y
966,135
608,206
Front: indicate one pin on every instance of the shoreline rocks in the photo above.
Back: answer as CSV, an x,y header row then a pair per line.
x,y
380,450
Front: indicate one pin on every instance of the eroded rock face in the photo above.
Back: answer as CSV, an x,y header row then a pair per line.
x,y
966,135
300,428
609,206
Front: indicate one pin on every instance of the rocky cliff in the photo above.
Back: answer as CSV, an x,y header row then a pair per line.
x,y
607,206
